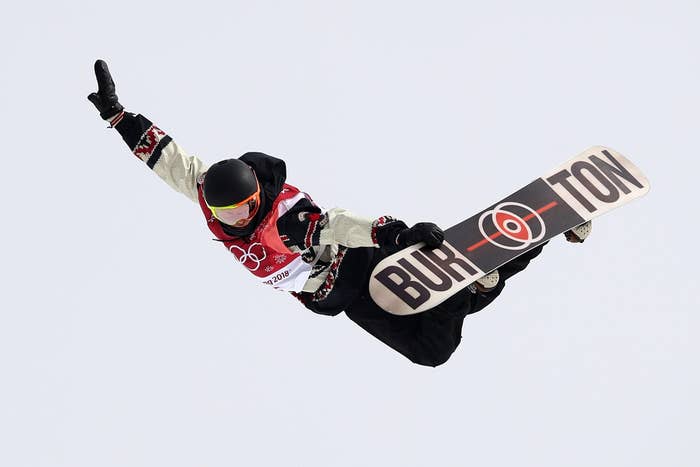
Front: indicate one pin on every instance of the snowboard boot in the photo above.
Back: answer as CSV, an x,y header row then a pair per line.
x,y
578,234
486,283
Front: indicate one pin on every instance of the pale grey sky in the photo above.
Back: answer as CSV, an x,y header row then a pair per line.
x,y
115,349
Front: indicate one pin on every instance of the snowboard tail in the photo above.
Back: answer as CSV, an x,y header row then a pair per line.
x,y
418,278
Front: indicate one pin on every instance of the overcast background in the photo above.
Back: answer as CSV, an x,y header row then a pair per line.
x,y
129,338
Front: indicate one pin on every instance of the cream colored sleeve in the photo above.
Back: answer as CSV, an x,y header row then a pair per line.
x,y
180,170
347,229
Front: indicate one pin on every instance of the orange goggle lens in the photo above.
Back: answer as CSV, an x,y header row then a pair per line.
x,y
239,212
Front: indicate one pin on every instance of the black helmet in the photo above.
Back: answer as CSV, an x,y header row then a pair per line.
x,y
229,182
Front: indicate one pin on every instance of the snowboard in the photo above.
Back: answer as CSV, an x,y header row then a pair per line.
x,y
418,278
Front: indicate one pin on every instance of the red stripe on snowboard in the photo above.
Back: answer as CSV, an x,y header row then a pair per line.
x,y
498,234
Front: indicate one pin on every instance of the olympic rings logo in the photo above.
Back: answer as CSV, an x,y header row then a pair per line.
x,y
511,220
249,255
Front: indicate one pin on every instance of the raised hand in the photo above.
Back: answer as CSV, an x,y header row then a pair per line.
x,y
105,99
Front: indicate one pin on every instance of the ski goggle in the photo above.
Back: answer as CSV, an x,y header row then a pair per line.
x,y
240,213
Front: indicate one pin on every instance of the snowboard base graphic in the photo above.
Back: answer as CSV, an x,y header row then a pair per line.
x,y
418,278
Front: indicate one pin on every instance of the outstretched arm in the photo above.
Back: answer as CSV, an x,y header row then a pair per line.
x,y
306,225
145,140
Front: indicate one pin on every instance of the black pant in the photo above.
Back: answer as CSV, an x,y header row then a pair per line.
x,y
429,338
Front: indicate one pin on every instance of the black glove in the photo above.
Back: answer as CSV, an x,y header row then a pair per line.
x,y
105,99
427,232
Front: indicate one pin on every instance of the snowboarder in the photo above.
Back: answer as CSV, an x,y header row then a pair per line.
x,y
322,257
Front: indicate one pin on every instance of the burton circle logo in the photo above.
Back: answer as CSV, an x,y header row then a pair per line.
x,y
256,256
511,226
